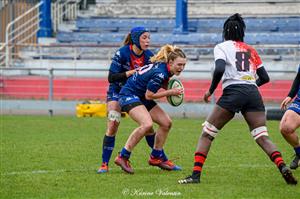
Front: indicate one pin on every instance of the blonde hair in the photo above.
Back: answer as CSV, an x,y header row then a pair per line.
x,y
167,53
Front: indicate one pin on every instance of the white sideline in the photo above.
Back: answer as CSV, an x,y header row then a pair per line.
x,y
243,166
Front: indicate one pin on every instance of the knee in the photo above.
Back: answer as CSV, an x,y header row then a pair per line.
x,y
168,124
147,126
286,130
112,129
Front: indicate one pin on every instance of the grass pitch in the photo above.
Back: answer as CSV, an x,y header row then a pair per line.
x,y
43,157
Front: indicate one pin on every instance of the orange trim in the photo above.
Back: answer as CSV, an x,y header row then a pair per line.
x,y
197,168
200,159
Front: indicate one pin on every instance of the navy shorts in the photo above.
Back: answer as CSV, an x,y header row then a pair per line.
x,y
128,102
295,106
241,98
112,93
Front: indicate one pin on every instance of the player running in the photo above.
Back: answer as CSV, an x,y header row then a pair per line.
x,y
238,64
137,99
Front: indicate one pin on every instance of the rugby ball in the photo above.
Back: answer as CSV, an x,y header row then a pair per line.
x,y
175,100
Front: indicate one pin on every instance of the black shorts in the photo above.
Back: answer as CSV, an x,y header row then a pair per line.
x,y
241,97
149,104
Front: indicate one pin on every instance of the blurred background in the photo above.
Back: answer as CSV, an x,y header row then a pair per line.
x,y
55,54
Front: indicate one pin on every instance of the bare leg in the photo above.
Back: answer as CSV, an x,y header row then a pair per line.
x,y
164,121
288,125
219,117
141,115
112,125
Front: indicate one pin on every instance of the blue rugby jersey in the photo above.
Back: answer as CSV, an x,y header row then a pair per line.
x,y
150,77
124,60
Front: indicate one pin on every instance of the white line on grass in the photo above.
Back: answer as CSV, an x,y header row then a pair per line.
x,y
242,166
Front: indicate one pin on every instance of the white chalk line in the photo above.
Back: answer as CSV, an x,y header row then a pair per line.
x,y
58,171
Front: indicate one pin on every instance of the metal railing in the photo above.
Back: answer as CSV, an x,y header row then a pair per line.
x,y
63,10
21,33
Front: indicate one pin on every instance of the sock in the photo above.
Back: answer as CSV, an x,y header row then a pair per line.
x,y
156,153
277,159
125,154
198,164
164,156
107,148
297,150
150,140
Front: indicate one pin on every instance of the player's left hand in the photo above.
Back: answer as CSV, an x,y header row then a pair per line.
x,y
285,102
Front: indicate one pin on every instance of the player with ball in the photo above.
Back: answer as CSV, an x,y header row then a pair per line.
x,y
137,99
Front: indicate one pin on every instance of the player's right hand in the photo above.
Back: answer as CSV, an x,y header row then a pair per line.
x,y
176,91
206,96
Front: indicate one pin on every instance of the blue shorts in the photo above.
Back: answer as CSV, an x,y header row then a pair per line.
x,y
113,93
295,106
128,102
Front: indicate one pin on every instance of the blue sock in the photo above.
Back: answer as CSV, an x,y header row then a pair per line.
x,y
164,157
297,150
150,140
125,153
107,148
156,153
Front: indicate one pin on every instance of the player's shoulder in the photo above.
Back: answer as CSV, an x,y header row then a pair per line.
x,y
124,49
148,53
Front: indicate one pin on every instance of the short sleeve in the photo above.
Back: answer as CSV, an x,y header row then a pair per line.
x,y
255,59
219,53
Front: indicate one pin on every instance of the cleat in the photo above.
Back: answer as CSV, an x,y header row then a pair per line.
x,y
103,168
124,163
189,180
288,176
154,161
295,163
170,165
166,165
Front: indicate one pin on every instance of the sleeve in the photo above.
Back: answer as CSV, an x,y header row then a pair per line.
x,y
255,59
218,73
116,63
219,53
295,85
156,82
263,76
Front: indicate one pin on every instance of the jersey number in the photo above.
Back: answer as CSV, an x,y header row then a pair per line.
x,y
242,61
145,69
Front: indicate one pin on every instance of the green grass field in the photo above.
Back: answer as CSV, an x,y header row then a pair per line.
x,y
43,157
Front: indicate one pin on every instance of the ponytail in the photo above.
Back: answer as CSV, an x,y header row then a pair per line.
x,y
167,53
127,40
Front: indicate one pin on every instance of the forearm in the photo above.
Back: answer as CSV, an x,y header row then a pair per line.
x,y
151,96
295,86
114,77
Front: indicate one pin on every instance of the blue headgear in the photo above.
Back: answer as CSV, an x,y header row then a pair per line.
x,y
135,35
